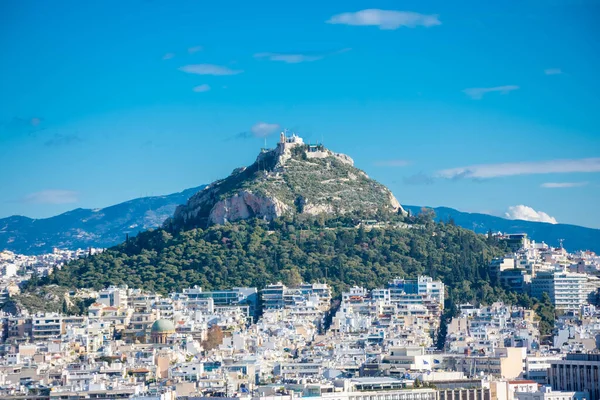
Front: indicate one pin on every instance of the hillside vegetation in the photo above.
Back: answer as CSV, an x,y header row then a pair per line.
x,y
256,253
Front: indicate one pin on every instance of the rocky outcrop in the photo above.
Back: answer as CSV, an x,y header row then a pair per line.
x,y
292,178
244,205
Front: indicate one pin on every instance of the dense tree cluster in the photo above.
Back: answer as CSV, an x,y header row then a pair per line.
x,y
256,253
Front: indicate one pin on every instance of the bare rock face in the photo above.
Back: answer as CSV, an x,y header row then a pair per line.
x,y
244,205
292,178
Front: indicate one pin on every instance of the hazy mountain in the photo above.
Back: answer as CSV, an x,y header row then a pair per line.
x,y
575,237
81,228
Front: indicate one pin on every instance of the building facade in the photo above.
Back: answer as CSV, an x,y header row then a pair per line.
x,y
577,373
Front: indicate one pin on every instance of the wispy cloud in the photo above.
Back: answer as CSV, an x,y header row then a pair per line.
x,y
527,213
484,171
263,129
258,130
54,196
563,185
168,56
195,49
60,139
477,93
385,19
418,179
209,69
295,58
201,88
553,71
392,163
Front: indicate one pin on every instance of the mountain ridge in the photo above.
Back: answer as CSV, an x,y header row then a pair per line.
x,y
575,237
84,227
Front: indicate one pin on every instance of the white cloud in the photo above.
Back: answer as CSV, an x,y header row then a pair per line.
x,y
392,163
208,69
553,71
289,58
168,56
195,49
51,197
262,129
483,171
201,88
477,93
295,58
385,19
526,213
562,185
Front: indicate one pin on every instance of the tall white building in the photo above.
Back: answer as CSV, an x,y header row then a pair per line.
x,y
568,291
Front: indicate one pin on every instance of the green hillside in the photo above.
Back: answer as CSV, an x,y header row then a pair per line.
x,y
255,253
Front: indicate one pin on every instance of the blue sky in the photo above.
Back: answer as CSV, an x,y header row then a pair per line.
x,y
482,107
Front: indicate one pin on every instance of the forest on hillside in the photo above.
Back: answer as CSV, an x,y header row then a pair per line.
x,y
256,253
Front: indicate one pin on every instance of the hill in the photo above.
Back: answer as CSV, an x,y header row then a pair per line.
x,y
575,237
256,252
297,214
81,228
293,178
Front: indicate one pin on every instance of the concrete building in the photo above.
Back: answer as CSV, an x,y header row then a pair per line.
x,y
537,367
45,326
566,290
113,297
238,296
499,264
577,372
516,280
277,296
546,393
506,362
465,394
423,286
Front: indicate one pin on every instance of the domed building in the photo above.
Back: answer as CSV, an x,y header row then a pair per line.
x,y
161,330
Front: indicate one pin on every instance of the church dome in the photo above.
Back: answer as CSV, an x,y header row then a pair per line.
x,y
163,326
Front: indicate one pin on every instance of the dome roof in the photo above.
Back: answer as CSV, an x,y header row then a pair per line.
x,y
163,326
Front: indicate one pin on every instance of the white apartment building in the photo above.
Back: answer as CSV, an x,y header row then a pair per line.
x,y
45,326
568,291
113,297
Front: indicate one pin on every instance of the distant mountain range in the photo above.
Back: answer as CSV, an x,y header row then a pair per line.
x,y
574,237
82,228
